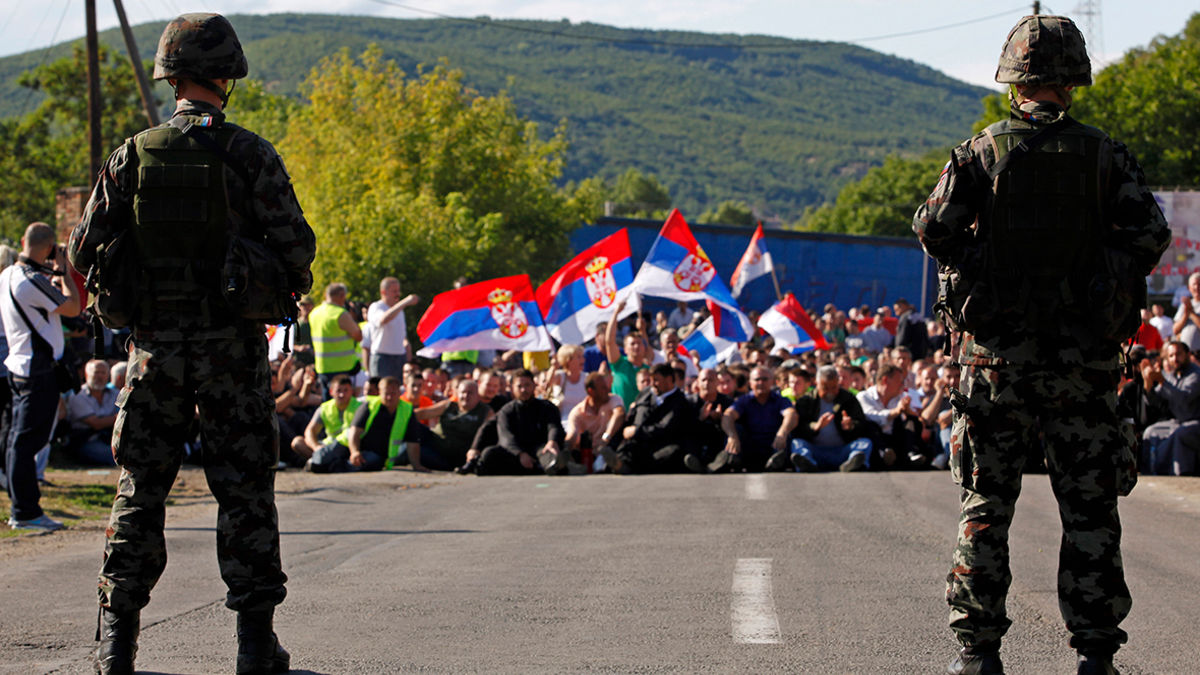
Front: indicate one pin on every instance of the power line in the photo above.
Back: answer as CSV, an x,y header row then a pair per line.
x,y
776,43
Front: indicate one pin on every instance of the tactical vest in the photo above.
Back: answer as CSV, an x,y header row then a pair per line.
x,y
181,224
336,421
333,348
395,434
1042,226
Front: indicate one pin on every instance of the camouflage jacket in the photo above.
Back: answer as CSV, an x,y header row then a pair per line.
x,y
945,226
271,204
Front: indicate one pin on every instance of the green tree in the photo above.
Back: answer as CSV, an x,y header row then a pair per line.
x,y
47,149
639,195
729,212
422,178
266,114
995,108
883,202
1150,100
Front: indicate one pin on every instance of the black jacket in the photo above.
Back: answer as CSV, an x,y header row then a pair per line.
x,y
808,408
662,425
525,426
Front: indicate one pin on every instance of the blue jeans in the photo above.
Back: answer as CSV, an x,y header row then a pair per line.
x,y
831,456
333,457
35,404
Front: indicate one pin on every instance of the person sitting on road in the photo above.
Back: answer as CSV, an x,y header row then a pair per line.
x,y
889,406
757,427
380,430
658,429
594,424
529,432
91,412
566,386
457,426
333,416
491,385
937,415
831,431
709,405
1169,447
625,367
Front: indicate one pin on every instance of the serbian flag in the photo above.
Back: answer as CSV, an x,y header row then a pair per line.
x,y
789,324
755,262
678,268
712,348
497,314
582,294
730,324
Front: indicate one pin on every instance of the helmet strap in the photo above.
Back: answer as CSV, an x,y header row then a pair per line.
x,y
221,93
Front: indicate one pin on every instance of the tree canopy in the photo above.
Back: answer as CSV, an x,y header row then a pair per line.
x,y
422,178
47,149
1150,100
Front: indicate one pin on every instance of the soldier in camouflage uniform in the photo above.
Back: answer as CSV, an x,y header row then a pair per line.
x,y
1019,242
181,196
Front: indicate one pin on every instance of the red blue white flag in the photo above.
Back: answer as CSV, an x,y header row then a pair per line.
x,y
582,294
497,314
755,262
678,268
791,326
711,347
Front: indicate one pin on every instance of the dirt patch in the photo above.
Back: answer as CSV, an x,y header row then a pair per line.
x,y
82,498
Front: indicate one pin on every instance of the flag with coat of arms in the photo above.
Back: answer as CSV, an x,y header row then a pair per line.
x,y
678,268
755,262
582,294
496,314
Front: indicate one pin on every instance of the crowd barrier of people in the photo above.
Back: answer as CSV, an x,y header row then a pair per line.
x,y
631,402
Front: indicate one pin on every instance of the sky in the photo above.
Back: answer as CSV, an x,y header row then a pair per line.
x,y
961,38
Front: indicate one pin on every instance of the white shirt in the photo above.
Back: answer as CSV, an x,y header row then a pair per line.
x,y
678,318
83,405
386,338
689,365
38,298
1165,326
1189,335
877,410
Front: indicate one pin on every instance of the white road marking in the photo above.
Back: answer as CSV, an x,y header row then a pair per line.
x,y
756,486
753,608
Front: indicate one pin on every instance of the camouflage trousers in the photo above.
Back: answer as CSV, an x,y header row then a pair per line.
x,y
998,416
228,383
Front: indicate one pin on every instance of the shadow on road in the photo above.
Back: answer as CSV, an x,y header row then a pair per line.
x,y
332,532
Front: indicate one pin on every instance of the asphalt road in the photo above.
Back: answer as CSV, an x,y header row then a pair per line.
x,y
753,574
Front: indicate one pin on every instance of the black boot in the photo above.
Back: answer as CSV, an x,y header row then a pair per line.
x,y
1093,663
259,651
970,662
117,633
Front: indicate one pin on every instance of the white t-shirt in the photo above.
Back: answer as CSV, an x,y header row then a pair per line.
x,y
39,298
1165,326
1189,335
386,338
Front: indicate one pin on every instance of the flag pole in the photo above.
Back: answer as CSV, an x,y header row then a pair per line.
x,y
774,279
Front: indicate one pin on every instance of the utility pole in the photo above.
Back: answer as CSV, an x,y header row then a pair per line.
x,y
138,71
1037,7
93,74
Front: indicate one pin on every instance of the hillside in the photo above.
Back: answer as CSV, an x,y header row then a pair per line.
x,y
781,124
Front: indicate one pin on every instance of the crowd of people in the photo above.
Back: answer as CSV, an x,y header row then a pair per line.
x,y
632,401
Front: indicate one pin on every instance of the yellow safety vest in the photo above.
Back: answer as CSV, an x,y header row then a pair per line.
x,y
333,348
395,435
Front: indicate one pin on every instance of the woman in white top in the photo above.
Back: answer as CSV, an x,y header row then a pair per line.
x,y
566,385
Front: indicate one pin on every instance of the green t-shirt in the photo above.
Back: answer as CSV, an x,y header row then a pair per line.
x,y
625,379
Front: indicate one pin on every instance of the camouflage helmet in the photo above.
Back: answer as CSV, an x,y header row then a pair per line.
x,y
1044,49
199,47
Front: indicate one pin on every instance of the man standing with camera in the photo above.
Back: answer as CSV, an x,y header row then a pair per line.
x,y
184,190
32,307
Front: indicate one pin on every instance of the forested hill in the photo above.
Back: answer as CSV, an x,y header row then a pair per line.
x,y
778,123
